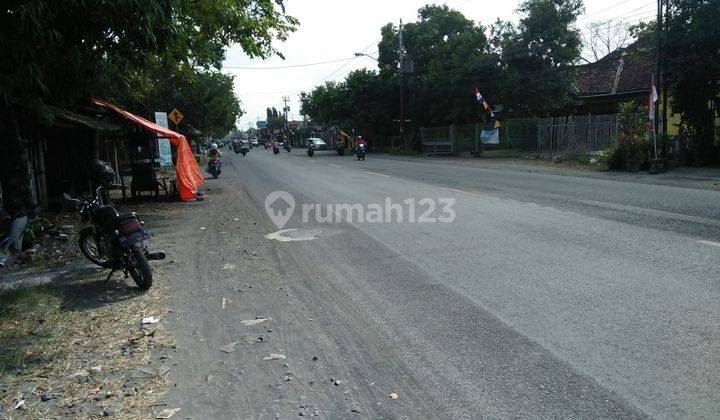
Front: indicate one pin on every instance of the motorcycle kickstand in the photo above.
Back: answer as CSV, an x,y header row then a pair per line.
x,y
107,279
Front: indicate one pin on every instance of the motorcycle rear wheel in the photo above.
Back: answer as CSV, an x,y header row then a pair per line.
x,y
139,269
91,248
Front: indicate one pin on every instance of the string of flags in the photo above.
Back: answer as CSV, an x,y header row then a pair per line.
x,y
482,101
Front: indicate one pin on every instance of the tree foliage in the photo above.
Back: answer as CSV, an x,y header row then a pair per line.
x,y
450,56
538,53
361,101
64,52
275,119
692,35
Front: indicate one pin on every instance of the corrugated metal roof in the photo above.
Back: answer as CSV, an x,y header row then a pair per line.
x,y
83,120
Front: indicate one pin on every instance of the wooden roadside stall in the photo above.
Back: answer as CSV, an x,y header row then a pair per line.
x,y
187,171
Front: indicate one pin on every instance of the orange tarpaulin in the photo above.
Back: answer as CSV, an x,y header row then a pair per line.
x,y
187,170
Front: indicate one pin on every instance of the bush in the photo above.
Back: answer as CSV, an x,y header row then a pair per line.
x,y
615,158
632,141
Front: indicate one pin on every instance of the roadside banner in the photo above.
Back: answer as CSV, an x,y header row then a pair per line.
x,y
188,172
490,136
163,144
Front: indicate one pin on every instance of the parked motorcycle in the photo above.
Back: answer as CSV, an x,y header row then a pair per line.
x,y
214,167
286,146
114,240
360,152
310,150
340,148
276,150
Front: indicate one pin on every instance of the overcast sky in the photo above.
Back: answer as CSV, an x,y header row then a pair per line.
x,y
333,30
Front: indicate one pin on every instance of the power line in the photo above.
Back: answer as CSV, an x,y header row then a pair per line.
x,y
289,66
344,65
586,17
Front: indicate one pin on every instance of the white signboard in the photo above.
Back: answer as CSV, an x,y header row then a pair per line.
x,y
164,150
490,136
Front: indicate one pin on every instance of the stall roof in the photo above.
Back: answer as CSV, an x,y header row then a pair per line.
x,y
83,120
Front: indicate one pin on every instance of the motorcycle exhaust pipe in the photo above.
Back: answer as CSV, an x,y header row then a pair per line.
x,y
155,256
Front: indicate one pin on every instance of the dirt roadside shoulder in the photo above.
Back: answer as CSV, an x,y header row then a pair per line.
x,y
76,346
258,336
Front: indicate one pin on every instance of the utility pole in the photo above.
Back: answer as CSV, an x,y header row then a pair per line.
x,y
286,108
401,50
658,45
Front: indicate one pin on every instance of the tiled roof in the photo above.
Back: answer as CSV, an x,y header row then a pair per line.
x,y
622,71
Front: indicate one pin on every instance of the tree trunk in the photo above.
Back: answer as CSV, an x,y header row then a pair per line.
x,y
14,169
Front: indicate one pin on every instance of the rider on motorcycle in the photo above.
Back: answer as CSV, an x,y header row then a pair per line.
x,y
214,154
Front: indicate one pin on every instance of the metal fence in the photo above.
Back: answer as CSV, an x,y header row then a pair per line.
x,y
575,135
518,134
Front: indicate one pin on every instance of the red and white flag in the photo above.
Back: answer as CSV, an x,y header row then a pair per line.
x,y
652,98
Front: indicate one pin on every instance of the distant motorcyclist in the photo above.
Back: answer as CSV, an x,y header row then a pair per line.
x,y
360,146
214,153
214,164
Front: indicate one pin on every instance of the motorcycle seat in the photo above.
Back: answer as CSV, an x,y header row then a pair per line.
x,y
127,216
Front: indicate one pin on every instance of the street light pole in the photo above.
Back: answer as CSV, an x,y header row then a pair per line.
x,y
401,50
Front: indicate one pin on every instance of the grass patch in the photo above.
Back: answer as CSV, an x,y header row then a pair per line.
x,y
27,325
67,349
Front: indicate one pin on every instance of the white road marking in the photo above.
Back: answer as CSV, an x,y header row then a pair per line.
x,y
711,243
377,174
335,166
477,193
455,190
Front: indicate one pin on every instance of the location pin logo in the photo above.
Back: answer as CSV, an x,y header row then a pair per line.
x,y
280,206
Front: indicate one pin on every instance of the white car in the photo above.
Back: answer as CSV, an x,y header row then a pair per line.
x,y
317,143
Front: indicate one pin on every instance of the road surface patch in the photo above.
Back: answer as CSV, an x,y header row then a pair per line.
x,y
377,174
291,235
711,243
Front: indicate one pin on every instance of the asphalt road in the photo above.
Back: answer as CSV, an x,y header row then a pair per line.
x,y
546,296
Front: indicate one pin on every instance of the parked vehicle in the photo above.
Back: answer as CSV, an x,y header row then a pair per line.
x,y
340,147
114,240
254,143
214,167
360,152
318,143
286,146
276,150
310,150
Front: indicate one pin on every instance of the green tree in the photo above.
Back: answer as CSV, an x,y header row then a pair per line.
x,y
63,52
275,119
451,56
209,103
538,54
691,44
361,102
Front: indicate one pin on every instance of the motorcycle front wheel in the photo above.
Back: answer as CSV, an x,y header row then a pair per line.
x,y
91,248
139,269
